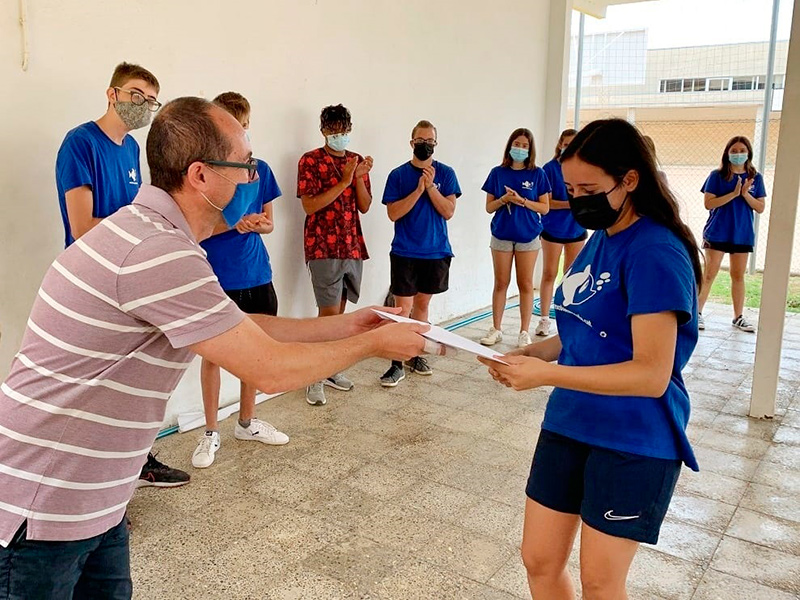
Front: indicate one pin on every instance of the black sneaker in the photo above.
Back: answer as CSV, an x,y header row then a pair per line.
x,y
393,376
157,474
419,366
743,324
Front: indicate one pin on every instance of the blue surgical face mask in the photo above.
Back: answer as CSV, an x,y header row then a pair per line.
x,y
519,154
243,198
737,158
338,141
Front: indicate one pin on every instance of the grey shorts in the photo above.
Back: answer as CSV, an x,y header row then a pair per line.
x,y
507,246
334,279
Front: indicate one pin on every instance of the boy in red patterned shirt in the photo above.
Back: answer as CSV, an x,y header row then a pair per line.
x,y
333,185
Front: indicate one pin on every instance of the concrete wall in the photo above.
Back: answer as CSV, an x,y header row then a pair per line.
x,y
476,69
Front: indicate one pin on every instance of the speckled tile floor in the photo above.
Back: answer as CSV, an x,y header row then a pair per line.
x,y
418,492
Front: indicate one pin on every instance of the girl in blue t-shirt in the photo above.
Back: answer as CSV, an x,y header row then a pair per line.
x,y
517,193
614,432
560,232
732,193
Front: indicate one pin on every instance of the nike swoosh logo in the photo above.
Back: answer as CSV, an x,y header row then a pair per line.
x,y
610,516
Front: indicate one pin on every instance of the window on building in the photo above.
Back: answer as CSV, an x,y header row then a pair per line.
x,y
694,85
718,84
671,85
777,81
743,83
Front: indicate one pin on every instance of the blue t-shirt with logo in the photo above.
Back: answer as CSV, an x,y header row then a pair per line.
x,y
422,232
643,269
89,157
511,222
732,223
559,223
240,260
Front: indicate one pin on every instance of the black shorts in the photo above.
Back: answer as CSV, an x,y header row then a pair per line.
x,y
557,240
412,276
728,248
259,300
621,494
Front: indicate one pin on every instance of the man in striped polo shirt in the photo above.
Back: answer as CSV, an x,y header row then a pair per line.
x,y
118,318
98,172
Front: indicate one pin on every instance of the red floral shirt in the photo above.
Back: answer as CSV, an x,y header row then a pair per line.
x,y
334,231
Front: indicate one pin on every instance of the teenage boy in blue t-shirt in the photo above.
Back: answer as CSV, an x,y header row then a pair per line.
x,y
97,173
97,168
241,263
420,197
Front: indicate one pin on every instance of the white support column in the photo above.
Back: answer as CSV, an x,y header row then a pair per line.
x,y
559,27
781,237
555,99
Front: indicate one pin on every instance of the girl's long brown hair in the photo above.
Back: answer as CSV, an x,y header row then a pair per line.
x,y
530,162
725,168
564,134
617,147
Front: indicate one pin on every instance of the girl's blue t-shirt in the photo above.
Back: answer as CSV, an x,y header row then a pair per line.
x,y
644,269
511,222
559,223
734,222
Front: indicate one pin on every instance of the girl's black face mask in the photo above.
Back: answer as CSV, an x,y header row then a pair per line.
x,y
594,211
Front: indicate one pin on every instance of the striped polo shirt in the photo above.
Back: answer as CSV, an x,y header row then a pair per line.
x,y
105,346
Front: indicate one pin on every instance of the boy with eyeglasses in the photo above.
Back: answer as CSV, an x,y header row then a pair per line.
x,y
98,172
333,185
420,197
241,263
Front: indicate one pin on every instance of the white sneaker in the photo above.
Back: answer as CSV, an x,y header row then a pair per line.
x,y
543,328
207,447
524,339
260,431
701,322
491,338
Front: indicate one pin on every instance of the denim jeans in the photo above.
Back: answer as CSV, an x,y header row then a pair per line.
x,y
97,568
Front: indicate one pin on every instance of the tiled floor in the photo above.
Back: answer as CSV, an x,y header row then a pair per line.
x,y
418,492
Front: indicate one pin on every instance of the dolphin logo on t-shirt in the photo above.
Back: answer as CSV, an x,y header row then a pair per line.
x,y
578,287
527,185
132,176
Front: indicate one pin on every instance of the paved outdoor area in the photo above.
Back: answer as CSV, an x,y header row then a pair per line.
x,y
418,492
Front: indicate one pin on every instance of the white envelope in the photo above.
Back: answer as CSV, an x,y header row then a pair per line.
x,y
448,338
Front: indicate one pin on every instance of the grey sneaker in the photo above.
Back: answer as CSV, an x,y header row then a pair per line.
x,y
393,376
701,322
339,382
315,394
743,324
419,366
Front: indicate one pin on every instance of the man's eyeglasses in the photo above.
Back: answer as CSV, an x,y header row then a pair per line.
x,y
251,165
416,141
138,99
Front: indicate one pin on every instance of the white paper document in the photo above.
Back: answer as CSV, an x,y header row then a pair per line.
x,y
448,338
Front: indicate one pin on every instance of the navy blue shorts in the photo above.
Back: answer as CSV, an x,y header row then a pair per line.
x,y
621,494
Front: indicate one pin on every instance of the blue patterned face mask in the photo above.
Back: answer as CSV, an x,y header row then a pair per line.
x,y
519,154
737,158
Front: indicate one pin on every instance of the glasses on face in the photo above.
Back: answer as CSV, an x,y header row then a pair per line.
x,y
138,99
251,165
430,141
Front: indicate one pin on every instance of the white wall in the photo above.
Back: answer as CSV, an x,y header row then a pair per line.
x,y
476,69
